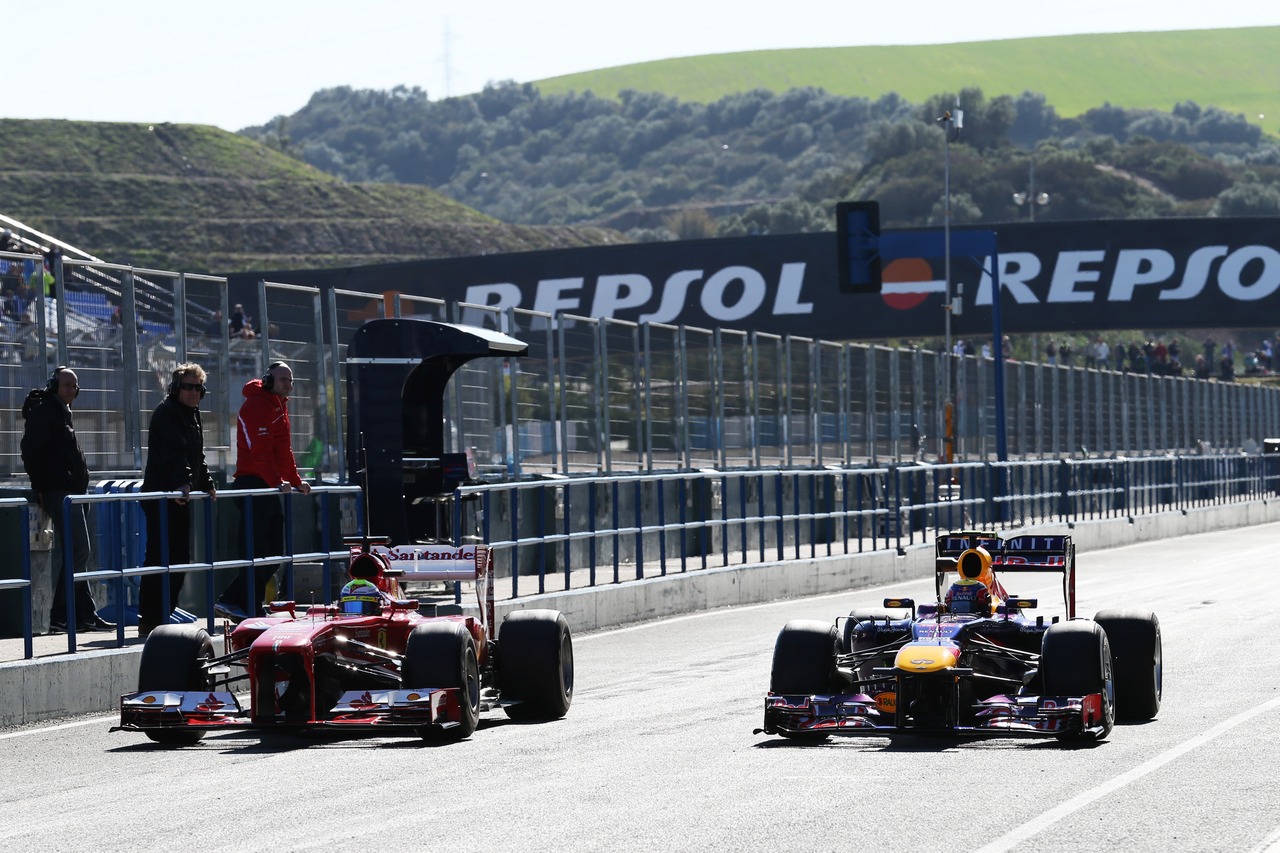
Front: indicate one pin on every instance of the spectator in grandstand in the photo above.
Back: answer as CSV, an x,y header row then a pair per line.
x,y
42,276
9,242
1051,352
11,274
1201,368
11,310
53,460
1160,359
240,326
1064,352
175,463
264,460
1137,363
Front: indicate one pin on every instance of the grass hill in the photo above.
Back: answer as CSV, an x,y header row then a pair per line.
x,y
1233,69
199,199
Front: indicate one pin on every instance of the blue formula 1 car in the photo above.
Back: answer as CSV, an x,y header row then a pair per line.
x,y
995,671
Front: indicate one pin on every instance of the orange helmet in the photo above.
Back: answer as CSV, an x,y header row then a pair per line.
x,y
975,564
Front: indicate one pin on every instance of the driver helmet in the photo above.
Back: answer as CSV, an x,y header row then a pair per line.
x,y
975,564
360,598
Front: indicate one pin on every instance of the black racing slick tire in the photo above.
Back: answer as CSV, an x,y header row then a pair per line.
x,y
443,654
1075,660
804,658
804,663
535,665
1137,659
173,659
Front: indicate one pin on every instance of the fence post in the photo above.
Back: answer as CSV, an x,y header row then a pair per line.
x,y
1064,489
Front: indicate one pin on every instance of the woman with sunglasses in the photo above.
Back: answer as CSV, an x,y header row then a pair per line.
x,y
175,463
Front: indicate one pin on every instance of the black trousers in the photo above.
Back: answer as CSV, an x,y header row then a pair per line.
x,y
268,541
84,606
151,610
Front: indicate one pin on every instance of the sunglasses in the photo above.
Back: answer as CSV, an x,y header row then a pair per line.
x,y
191,386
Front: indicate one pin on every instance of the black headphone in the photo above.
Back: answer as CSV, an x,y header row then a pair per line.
x,y
172,390
268,380
52,385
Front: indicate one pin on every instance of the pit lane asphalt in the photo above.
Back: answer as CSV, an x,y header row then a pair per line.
x,y
657,752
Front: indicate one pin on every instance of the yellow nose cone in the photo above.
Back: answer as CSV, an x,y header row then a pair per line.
x,y
918,658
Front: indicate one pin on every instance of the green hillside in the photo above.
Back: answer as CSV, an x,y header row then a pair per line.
x,y
1236,70
197,199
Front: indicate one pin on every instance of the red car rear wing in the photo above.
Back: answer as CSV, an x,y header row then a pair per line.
x,y
1017,554
446,563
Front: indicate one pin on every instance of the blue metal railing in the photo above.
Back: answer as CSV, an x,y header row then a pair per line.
x,y
755,516
645,526
113,572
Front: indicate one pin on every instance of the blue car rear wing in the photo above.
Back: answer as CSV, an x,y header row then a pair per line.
x,y
1017,554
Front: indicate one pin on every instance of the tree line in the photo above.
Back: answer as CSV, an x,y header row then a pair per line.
x,y
760,162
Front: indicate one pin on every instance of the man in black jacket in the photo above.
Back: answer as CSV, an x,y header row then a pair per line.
x,y
175,463
57,468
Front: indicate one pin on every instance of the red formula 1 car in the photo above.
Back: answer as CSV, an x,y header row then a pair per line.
x,y
386,670
994,672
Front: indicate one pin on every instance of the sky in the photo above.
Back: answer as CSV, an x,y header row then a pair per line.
x,y
239,63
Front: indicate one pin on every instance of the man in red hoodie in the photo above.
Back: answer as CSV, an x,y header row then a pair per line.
x,y
264,460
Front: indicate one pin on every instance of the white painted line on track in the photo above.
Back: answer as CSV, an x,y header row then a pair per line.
x,y
46,729
1017,836
1270,844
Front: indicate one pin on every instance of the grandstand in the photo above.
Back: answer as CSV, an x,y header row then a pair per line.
x,y
94,305
94,291
108,322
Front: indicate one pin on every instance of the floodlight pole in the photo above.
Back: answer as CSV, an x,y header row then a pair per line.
x,y
946,241
1031,192
951,121
1031,198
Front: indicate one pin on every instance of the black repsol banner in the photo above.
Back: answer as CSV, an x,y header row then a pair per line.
x,y
1124,274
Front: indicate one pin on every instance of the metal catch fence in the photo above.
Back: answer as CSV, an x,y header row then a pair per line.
x,y
593,396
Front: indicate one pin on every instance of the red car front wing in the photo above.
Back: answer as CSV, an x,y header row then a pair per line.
x,y
140,712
